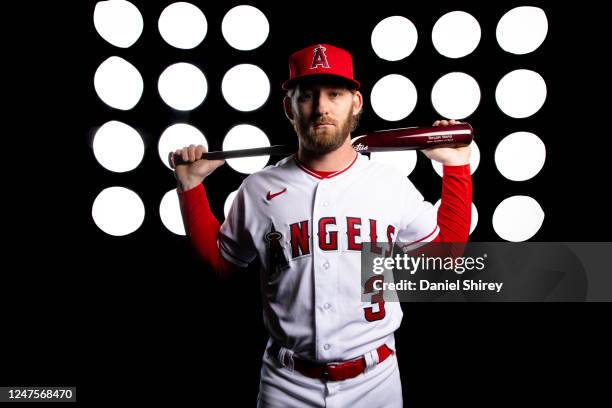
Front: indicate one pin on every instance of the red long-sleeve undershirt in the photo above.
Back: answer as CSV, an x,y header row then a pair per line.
x,y
454,217
455,212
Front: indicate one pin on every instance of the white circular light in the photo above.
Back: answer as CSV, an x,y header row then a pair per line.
x,y
176,137
118,147
456,95
394,38
182,25
118,22
246,137
520,156
118,211
521,93
474,217
118,83
245,87
245,28
182,86
474,160
404,161
522,30
170,213
228,202
393,97
518,218
456,34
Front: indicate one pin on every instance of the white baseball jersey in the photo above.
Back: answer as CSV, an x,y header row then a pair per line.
x,y
307,233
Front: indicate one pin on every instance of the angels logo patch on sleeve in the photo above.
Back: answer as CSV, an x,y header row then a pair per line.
x,y
277,260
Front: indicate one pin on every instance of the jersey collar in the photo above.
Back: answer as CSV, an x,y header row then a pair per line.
x,y
323,174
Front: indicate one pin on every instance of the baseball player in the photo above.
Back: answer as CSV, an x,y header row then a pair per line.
x,y
304,220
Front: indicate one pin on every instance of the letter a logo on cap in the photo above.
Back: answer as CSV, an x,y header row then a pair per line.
x,y
319,59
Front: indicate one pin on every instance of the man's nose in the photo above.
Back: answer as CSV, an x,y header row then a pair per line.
x,y
321,104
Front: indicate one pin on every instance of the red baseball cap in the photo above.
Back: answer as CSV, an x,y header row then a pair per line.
x,y
320,59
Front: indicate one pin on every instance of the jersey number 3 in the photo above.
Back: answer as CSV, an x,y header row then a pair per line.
x,y
377,297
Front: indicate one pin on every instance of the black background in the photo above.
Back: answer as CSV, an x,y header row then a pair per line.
x,y
138,318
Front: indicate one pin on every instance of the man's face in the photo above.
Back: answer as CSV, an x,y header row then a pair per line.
x,y
323,116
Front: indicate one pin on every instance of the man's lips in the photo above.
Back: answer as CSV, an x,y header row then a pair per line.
x,y
321,125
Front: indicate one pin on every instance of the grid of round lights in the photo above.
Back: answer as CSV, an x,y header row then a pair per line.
x,y
456,95
182,86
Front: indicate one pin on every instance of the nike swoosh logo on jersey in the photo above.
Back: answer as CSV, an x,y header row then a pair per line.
x,y
271,196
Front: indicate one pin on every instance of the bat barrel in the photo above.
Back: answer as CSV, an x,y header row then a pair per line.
x,y
415,138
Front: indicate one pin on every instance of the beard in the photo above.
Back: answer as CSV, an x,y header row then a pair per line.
x,y
323,140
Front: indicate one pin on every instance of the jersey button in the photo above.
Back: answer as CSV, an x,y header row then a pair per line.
x,y
326,265
325,204
326,347
326,306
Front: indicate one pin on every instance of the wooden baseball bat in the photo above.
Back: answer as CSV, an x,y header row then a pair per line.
x,y
411,138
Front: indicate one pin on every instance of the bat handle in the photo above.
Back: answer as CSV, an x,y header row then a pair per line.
x,y
258,151
234,154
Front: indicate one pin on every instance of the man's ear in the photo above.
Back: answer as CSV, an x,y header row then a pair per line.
x,y
288,108
357,102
